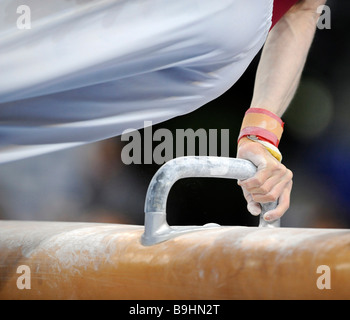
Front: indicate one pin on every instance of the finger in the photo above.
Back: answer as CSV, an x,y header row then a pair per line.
x,y
283,205
272,189
275,169
253,207
267,186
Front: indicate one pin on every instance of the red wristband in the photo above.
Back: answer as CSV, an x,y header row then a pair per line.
x,y
263,124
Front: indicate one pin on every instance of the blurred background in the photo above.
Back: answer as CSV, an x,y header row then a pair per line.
x,y
91,183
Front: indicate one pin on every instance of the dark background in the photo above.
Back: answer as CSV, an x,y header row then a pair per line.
x,y
91,183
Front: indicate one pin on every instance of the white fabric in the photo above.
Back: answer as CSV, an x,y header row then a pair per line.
x,y
88,70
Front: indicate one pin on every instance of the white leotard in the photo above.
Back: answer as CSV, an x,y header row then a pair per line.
x,y
88,70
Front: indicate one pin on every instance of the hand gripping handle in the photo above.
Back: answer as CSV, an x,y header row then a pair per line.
x,y
156,226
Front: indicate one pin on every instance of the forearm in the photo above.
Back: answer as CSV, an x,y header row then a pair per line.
x,y
278,75
283,58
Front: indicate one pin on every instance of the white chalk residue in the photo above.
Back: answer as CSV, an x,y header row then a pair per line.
x,y
67,245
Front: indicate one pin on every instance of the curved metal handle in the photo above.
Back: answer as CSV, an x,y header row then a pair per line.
x,y
156,227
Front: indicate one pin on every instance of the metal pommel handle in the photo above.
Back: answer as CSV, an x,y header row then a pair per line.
x,y
156,226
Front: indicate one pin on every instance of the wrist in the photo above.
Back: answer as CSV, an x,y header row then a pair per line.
x,y
264,127
263,124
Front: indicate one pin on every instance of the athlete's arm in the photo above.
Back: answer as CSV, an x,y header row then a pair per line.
x,y
279,71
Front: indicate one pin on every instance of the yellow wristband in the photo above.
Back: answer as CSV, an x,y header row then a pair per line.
x,y
268,146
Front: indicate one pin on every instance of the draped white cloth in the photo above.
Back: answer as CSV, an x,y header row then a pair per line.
x,y
88,70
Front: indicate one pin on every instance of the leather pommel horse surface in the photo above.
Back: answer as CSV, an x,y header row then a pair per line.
x,y
107,261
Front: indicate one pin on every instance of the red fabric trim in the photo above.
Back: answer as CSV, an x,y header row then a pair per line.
x,y
260,133
280,7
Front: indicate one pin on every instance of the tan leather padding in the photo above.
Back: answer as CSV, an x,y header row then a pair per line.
x,y
107,261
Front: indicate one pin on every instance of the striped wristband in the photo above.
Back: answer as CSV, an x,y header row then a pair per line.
x,y
265,127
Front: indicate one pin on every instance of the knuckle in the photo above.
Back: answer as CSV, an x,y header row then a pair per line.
x,y
250,185
272,196
290,174
276,166
256,198
281,169
264,190
258,181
